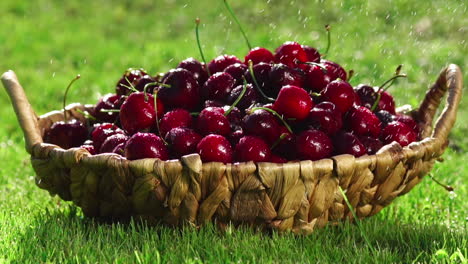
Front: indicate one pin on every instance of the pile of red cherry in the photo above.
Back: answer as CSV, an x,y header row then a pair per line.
x,y
290,105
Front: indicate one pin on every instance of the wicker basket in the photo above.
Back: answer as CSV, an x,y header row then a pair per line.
x,y
297,196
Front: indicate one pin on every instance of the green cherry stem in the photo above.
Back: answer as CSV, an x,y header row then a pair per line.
x,y
244,89
155,96
197,25
379,94
281,138
328,29
228,7
251,71
445,186
65,96
274,113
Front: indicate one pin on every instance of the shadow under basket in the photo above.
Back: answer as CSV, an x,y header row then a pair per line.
x,y
298,196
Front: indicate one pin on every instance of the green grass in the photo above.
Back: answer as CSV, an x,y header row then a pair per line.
x,y
48,42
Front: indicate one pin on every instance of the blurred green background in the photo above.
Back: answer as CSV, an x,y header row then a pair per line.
x,y
48,42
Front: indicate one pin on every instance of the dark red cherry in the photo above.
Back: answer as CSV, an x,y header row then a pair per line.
x,y
102,131
128,78
340,93
407,120
145,81
108,102
212,103
282,75
261,72
250,97
221,62
386,102
371,144
137,112
315,78
291,54
215,148
399,132
385,117
367,95
182,91
237,72
182,141
111,142
218,86
325,117
212,121
363,122
88,145
285,145
252,148
196,68
334,70
293,102
313,145
235,136
67,134
312,54
120,149
234,117
145,145
257,55
175,118
263,124
347,143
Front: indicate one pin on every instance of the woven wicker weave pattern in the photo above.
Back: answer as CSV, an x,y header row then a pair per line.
x,y
297,196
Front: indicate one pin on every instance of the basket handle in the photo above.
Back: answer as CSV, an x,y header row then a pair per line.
x,y
24,112
450,80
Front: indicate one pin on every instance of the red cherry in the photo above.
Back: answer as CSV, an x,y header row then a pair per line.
x,y
221,62
293,102
326,118
263,124
88,145
67,134
197,69
237,71
347,143
386,102
212,121
129,77
108,102
102,131
182,90
137,112
281,75
258,54
363,122
111,142
182,141
399,132
312,54
215,148
261,71
313,145
291,54
334,70
277,159
175,118
218,86
250,97
367,95
407,120
315,78
145,145
251,148
340,93
371,144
